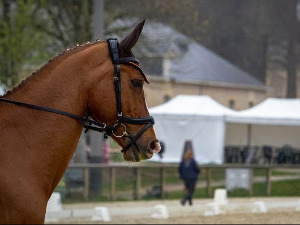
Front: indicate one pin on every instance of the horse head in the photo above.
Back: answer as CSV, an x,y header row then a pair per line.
x,y
124,110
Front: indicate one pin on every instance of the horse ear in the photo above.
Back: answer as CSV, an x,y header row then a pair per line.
x,y
128,42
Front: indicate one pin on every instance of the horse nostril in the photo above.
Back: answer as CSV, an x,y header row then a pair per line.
x,y
155,146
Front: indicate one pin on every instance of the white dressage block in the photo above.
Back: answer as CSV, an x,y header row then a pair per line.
x,y
101,214
259,207
298,206
220,199
54,207
54,203
162,212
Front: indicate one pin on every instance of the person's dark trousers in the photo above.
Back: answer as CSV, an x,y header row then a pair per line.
x,y
190,185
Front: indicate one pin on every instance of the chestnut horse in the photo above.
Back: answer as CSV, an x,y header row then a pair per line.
x,y
42,118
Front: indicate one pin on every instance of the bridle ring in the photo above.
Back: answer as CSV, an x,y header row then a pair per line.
x,y
123,133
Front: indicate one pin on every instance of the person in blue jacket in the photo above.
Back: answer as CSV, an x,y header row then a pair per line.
x,y
188,172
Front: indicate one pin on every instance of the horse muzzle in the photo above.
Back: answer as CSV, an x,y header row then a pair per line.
x,y
139,151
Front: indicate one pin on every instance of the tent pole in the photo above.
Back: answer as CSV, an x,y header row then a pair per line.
x,y
249,157
248,135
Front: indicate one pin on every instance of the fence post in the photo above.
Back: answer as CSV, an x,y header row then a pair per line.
x,y
208,181
162,182
86,183
251,183
268,181
137,183
112,183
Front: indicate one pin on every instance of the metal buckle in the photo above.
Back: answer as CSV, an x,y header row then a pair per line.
x,y
124,133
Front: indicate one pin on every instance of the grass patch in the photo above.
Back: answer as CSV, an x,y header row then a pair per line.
x,y
125,183
285,188
113,144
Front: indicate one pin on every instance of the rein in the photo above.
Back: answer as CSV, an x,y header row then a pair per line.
x,y
90,124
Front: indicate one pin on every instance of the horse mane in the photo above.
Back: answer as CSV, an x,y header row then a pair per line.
x,y
124,49
66,53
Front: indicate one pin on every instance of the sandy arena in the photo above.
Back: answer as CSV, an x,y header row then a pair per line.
x,y
236,211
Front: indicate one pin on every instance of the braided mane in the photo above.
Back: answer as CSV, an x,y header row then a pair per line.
x,y
66,53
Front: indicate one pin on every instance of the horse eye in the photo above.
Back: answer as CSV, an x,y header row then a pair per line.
x,y
137,83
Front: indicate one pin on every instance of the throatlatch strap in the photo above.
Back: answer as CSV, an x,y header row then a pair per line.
x,y
87,123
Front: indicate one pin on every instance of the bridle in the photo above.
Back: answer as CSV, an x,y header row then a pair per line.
x,y
148,121
90,124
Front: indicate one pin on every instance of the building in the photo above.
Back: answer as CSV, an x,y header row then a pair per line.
x,y
177,65
277,76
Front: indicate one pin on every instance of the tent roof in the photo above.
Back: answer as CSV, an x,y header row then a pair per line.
x,y
272,111
197,105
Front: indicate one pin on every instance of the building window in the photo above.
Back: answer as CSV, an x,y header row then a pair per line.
x,y
231,104
250,104
166,98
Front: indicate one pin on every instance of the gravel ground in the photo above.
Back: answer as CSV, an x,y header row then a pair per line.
x,y
237,211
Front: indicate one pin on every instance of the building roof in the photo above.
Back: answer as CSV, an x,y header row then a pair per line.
x,y
200,64
188,60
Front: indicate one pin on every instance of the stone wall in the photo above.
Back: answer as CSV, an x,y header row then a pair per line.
x,y
160,90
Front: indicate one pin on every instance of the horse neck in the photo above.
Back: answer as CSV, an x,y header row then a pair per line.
x,y
51,139
56,85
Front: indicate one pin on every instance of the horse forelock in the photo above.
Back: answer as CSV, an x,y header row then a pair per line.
x,y
66,53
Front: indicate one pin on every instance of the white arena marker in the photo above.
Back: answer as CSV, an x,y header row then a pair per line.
x,y
163,212
260,207
298,206
101,213
220,199
54,203
54,206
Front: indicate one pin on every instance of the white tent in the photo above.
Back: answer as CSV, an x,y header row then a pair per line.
x,y
273,122
273,111
196,118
